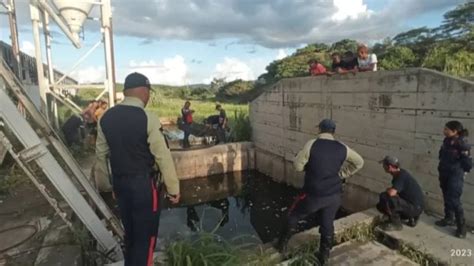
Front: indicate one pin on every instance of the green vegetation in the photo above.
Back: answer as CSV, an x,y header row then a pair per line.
x,y
448,48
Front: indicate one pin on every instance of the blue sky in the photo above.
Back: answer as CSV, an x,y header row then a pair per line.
x,y
180,42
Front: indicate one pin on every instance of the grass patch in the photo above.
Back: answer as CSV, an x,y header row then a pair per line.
x,y
417,256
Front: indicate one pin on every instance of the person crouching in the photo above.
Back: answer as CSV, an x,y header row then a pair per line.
x,y
403,200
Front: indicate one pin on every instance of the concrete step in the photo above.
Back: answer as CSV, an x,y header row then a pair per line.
x,y
439,243
370,253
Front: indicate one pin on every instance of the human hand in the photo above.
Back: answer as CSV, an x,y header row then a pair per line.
x,y
174,199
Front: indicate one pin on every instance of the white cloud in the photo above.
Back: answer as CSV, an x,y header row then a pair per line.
x,y
27,48
352,9
231,69
265,22
171,71
91,74
281,54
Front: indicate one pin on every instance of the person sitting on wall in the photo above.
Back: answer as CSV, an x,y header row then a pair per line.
x,y
316,68
366,61
403,200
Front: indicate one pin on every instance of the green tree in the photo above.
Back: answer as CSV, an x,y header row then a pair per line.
x,y
458,23
344,45
234,90
398,57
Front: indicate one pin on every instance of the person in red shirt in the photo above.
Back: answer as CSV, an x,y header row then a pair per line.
x,y
187,116
316,68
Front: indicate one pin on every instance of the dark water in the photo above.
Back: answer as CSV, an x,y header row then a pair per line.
x,y
241,203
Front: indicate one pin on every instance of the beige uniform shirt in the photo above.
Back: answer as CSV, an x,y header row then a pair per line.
x,y
158,148
353,163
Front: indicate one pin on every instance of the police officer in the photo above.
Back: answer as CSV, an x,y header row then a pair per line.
x,y
131,139
454,161
403,200
325,161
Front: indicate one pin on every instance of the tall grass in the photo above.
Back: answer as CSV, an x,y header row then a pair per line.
x,y
241,128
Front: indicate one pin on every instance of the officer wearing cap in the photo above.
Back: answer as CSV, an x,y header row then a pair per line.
x,y
131,139
403,200
325,162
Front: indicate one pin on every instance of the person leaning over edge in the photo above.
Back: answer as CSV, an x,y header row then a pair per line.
x,y
403,200
325,161
137,149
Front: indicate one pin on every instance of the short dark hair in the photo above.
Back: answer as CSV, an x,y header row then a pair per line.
x,y
218,106
335,54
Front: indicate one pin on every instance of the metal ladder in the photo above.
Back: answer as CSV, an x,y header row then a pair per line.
x,y
36,150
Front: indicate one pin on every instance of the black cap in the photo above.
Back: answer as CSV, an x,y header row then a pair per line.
x,y
135,80
390,160
327,125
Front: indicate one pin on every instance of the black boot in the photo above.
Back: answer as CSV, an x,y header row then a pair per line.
x,y
394,224
461,228
412,222
282,244
446,221
325,245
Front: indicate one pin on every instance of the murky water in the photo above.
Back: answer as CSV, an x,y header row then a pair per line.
x,y
237,204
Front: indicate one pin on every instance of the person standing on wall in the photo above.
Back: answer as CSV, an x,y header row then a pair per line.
x,y
221,128
325,162
187,117
403,200
454,162
132,140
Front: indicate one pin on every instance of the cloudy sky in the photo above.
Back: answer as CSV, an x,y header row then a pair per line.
x,y
179,42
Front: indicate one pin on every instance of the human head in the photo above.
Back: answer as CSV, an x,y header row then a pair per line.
x,y
391,164
362,51
455,129
137,85
313,62
187,104
218,107
103,104
336,57
327,126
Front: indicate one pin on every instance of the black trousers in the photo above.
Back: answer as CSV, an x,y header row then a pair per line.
x,y
452,187
396,207
139,202
221,135
187,132
306,205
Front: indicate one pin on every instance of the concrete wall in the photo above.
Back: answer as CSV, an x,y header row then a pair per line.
x,y
214,160
401,113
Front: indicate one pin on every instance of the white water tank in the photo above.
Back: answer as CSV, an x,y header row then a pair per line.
x,y
74,12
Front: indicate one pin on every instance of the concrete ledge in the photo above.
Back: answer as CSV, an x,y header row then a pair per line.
x,y
214,160
436,242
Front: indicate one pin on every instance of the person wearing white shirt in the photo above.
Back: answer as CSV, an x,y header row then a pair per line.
x,y
366,61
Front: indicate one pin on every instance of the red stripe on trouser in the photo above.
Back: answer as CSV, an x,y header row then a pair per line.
x,y
151,248
155,196
299,198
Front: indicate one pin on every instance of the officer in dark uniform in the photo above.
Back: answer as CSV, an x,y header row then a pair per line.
x,y
132,140
325,161
403,200
454,162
